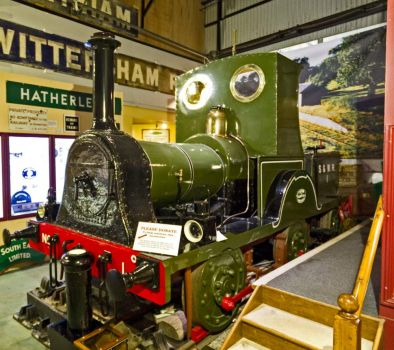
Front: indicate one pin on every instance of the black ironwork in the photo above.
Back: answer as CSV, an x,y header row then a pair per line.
x,y
53,280
145,10
103,261
77,266
108,176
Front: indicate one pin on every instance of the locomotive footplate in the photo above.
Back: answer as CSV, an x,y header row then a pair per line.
x,y
46,306
45,315
39,312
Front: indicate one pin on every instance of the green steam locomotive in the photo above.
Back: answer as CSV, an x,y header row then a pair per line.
x,y
146,218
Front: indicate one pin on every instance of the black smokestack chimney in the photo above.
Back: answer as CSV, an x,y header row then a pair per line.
x,y
103,47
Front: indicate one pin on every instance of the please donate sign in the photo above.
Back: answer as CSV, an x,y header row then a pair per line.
x,y
158,238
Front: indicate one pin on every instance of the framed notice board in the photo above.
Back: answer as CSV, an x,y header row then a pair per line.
x,y
156,135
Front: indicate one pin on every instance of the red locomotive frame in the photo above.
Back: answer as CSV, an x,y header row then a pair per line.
x,y
123,259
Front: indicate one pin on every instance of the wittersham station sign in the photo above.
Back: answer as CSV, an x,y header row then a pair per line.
x,y
118,16
27,46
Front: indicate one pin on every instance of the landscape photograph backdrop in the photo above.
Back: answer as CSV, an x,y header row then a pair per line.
x,y
341,93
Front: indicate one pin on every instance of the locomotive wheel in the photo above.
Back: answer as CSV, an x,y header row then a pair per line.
x,y
332,221
291,243
223,275
297,239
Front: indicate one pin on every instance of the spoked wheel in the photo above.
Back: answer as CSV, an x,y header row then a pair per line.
x,y
291,243
223,275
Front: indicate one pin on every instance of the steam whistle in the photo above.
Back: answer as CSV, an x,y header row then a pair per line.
x,y
30,232
145,273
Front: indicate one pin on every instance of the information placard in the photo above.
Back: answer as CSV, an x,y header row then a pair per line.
x,y
71,123
27,119
158,238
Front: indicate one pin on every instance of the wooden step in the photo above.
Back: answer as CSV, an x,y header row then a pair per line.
x,y
246,344
253,323
297,329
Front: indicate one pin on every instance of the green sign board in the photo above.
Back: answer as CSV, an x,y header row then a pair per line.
x,y
17,252
42,96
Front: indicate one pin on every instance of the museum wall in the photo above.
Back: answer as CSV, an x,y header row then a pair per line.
x,y
138,121
178,20
39,106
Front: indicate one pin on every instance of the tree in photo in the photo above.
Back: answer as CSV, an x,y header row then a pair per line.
x,y
358,60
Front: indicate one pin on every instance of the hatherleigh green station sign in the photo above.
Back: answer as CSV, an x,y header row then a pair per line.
x,y
18,252
42,96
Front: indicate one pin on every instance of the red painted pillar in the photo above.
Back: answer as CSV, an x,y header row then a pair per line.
x,y
387,281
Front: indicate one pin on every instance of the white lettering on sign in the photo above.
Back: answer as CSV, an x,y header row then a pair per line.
x,y
45,238
158,238
104,10
172,81
139,75
18,44
326,168
72,54
55,97
6,39
14,248
19,256
152,76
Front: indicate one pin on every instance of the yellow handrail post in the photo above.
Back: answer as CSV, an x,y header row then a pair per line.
x,y
347,326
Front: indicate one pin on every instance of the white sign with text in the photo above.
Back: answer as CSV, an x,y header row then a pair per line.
x,y
158,238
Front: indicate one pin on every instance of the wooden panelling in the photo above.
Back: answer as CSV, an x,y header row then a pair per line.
x,y
178,20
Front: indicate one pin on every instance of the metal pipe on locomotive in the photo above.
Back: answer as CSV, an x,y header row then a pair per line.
x,y
236,177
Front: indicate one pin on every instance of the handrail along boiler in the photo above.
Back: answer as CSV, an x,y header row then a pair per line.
x,y
238,169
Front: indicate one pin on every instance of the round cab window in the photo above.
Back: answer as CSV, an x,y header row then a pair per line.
x,y
247,83
193,92
196,91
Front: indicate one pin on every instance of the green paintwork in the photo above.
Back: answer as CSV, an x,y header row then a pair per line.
x,y
299,201
216,278
324,170
291,213
267,125
297,239
183,172
268,128
267,170
230,150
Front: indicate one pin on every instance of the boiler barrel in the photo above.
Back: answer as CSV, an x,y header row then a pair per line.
x,y
183,172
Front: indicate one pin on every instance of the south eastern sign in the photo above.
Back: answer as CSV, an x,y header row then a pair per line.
x,y
18,252
31,47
